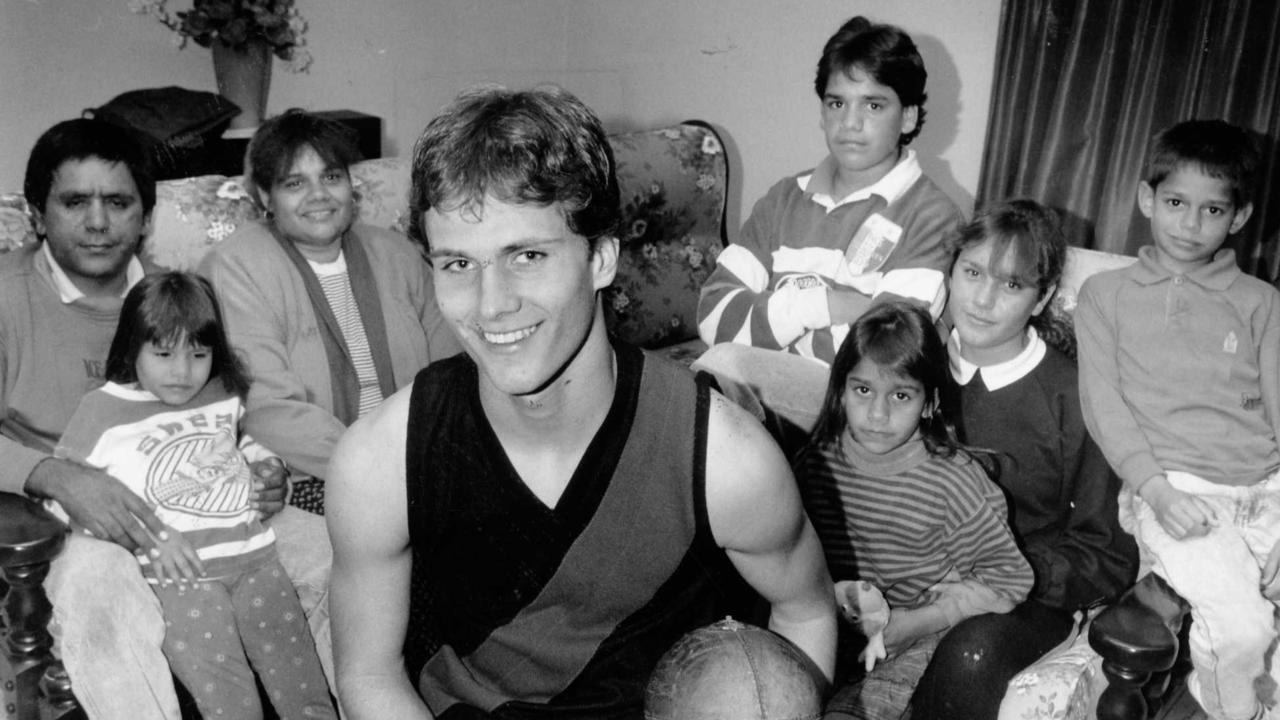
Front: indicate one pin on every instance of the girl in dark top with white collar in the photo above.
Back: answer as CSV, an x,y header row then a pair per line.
x,y
1016,394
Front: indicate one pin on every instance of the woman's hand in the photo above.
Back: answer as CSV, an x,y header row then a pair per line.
x,y
174,560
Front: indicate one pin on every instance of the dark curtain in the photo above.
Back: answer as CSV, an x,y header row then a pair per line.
x,y
1082,85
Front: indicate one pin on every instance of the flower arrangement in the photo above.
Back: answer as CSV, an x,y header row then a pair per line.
x,y
234,23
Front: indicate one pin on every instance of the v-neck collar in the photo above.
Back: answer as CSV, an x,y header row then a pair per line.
x,y
595,468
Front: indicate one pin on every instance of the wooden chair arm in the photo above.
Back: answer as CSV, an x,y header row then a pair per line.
x,y
1137,638
30,538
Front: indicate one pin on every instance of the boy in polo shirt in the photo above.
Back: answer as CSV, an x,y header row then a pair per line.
x,y
819,245
1179,379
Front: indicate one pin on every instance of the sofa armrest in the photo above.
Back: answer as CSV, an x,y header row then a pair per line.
x,y
30,538
1137,638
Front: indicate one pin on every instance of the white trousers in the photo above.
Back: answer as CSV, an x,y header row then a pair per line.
x,y
1219,574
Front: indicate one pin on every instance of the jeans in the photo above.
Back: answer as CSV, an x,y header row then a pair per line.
x,y
108,630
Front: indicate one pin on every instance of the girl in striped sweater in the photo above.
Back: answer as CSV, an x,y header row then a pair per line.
x,y
167,424
898,502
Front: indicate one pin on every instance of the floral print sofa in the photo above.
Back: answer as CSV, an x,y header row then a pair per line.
x,y
673,185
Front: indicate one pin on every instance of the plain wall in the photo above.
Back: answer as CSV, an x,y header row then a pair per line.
x,y
745,66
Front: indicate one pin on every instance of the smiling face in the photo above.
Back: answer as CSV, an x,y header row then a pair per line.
x,y
312,205
174,373
1191,215
883,408
93,221
863,121
520,289
992,302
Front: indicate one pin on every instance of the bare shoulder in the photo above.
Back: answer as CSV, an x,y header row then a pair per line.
x,y
749,482
734,431
366,471
370,437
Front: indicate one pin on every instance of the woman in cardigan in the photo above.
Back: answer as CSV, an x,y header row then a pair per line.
x,y
331,315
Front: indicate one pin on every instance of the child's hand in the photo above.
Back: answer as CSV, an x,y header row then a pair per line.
x,y
1181,514
269,486
174,560
966,598
907,626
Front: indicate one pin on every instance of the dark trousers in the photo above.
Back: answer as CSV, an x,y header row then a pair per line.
x,y
973,664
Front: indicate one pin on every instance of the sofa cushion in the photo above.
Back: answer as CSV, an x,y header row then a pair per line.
x,y
1062,685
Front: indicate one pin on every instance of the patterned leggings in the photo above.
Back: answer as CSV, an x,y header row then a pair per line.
x,y
214,630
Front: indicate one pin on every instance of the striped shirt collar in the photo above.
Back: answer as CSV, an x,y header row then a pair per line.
x,y
1001,374
67,290
818,184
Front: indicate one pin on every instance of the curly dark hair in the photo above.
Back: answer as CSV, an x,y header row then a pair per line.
x,y
541,146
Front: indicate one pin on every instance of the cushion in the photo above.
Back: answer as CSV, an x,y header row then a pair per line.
x,y
1062,685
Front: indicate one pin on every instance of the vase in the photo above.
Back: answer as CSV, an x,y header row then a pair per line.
x,y
244,78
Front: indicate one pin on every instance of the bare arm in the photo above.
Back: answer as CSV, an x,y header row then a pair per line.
x,y
96,502
365,506
757,517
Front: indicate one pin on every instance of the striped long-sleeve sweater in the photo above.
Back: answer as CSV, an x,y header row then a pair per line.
x,y
905,520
